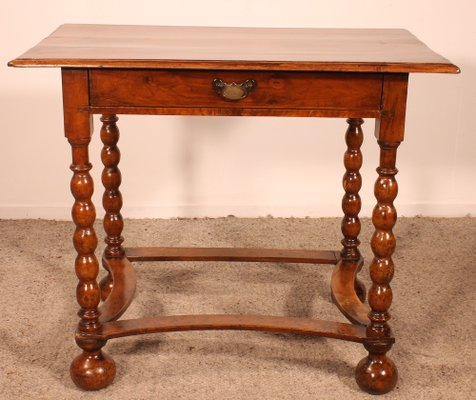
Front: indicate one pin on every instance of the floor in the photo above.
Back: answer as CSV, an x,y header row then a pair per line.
x,y
434,313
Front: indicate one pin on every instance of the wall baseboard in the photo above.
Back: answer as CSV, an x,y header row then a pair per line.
x,y
214,211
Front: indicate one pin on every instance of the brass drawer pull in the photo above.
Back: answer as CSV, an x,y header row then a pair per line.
x,y
233,91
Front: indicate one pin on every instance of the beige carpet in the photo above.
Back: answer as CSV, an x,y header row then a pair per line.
x,y
434,314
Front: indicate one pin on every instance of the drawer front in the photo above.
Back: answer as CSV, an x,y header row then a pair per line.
x,y
192,88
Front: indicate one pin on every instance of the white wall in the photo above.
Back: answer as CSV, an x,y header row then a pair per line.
x,y
204,166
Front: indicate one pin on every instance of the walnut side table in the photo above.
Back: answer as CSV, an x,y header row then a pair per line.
x,y
351,73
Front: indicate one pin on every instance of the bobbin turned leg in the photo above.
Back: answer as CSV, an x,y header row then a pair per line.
x,y
376,373
92,369
351,204
112,198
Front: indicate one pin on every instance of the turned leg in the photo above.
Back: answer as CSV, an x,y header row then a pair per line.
x,y
376,373
351,204
92,369
112,198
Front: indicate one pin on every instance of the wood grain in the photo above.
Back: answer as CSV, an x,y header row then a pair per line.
x,y
126,46
344,295
237,112
230,254
308,90
123,289
331,329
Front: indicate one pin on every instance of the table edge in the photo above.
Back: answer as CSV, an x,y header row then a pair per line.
x,y
238,65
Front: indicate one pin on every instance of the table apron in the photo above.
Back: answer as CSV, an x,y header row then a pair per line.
x,y
190,92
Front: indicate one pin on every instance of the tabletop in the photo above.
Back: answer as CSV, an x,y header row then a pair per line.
x,y
291,49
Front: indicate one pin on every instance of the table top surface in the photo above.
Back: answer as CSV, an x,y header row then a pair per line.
x,y
292,49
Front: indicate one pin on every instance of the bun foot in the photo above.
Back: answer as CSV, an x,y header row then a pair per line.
x,y
376,374
93,370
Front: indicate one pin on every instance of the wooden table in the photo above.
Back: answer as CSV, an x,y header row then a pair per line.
x,y
351,73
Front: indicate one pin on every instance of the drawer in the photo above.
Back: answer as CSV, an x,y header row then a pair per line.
x,y
195,88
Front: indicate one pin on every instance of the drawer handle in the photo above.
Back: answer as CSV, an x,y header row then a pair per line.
x,y
233,91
